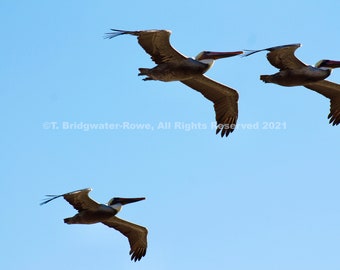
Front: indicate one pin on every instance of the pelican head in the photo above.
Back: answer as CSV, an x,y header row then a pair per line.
x,y
327,64
208,57
117,202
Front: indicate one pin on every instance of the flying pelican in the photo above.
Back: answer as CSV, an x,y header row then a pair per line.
x,y
293,72
90,212
173,66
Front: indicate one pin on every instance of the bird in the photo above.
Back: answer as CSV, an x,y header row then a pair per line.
x,y
293,72
174,66
90,212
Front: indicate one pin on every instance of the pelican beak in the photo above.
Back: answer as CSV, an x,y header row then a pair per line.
x,y
218,55
329,63
333,64
124,201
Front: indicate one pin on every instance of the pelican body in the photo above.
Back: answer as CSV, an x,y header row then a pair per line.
x,y
173,66
293,72
288,77
185,68
174,71
90,212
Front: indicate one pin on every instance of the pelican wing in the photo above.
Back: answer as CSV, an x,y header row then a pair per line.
x,y
79,199
224,99
136,235
155,42
282,57
332,91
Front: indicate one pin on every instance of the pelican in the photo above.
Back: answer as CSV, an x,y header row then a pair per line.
x,y
174,66
293,72
90,212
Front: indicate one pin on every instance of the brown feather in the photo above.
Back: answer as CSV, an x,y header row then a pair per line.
x,y
80,200
137,236
224,98
282,57
332,91
157,44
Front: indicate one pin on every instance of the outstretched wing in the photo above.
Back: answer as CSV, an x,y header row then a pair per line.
x,y
137,236
155,42
332,91
224,98
79,199
282,57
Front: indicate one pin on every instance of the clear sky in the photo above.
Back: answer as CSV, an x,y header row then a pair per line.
x,y
265,198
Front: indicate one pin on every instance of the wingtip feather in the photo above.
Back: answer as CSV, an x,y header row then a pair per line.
x,y
115,33
47,200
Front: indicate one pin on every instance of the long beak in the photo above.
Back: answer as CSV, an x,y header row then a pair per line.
x,y
124,201
331,63
218,55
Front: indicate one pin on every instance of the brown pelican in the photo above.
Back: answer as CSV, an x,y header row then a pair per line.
x,y
90,212
293,72
173,66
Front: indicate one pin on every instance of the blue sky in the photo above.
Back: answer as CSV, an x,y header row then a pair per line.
x,y
262,199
